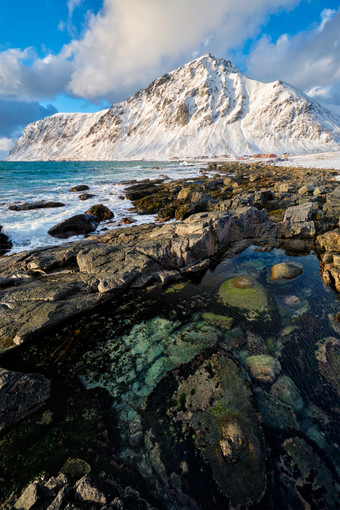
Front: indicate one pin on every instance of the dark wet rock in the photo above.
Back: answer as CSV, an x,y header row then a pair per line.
x,y
213,401
20,395
5,243
274,412
80,187
76,225
285,270
101,212
86,196
35,205
126,221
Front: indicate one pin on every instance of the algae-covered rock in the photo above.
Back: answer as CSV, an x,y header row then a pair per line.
x,y
263,368
243,292
275,413
285,389
216,403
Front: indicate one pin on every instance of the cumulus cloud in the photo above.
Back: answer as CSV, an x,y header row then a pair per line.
x,y
15,115
24,76
129,43
309,60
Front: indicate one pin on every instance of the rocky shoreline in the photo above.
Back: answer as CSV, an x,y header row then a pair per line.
x,y
297,210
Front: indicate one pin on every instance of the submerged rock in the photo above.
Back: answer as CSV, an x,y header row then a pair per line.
x,y
20,395
76,225
243,292
285,270
263,368
328,356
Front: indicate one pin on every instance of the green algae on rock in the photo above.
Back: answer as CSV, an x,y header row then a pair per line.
x,y
263,368
243,292
215,402
221,321
285,389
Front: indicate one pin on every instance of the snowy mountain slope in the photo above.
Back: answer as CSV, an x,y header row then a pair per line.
x,y
206,107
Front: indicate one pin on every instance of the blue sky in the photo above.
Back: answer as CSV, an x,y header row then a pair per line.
x,y
83,55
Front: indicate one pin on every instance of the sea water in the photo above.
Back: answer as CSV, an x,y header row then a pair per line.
x,y
51,181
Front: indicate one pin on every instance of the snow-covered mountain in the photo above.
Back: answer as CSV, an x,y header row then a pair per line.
x,y
206,107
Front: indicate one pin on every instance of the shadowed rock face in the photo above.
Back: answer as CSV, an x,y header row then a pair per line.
x,y
20,395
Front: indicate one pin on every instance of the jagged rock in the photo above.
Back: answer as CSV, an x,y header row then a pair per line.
x,y
285,270
76,225
297,221
101,212
20,395
35,205
34,495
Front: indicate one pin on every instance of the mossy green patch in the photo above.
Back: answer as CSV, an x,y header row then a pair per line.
x,y
221,321
243,292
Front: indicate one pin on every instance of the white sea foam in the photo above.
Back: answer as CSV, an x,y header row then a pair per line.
x,y
28,229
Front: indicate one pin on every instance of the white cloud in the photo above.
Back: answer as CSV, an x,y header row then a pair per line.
x,y
5,144
131,42
309,60
128,43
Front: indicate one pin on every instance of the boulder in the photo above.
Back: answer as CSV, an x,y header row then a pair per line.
x,y
86,196
79,187
285,270
28,206
297,221
76,225
126,221
305,190
20,395
263,368
101,212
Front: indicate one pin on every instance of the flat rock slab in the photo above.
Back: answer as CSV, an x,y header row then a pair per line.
x,y
20,395
28,206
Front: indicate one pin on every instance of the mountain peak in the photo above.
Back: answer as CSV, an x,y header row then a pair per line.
x,y
205,107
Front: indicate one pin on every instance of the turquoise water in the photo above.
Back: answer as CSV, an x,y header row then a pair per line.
x,y
51,181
